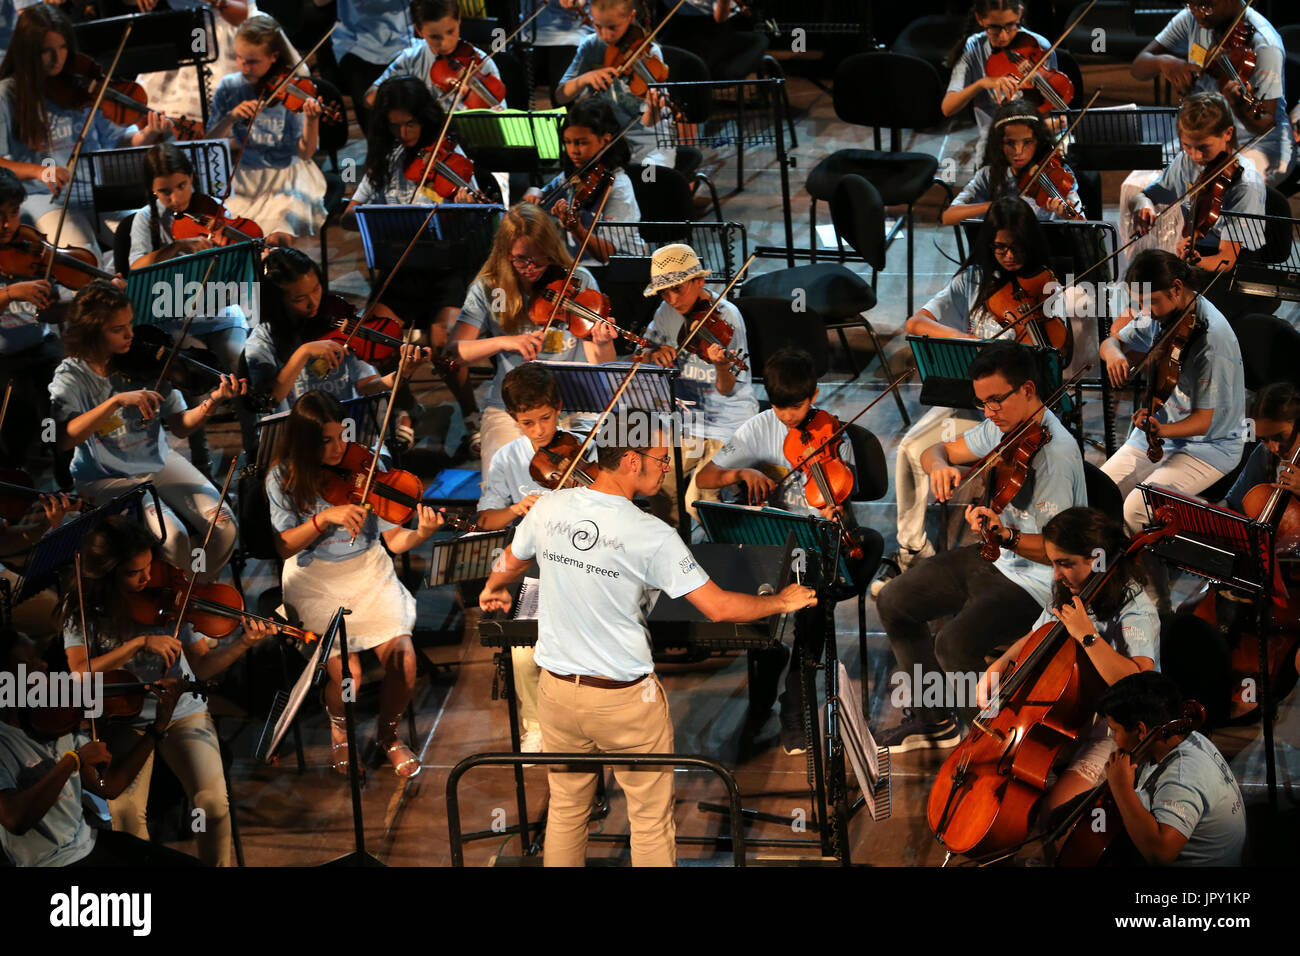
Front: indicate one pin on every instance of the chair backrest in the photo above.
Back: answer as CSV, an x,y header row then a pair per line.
x,y
858,213
478,31
122,245
663,195
1103,494
685,67
1277,235
771,324
333,136
514,77
1066,63
1270,349
869,462
915,91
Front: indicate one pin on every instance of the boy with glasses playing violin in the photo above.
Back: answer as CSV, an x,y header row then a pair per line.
x,y
988,603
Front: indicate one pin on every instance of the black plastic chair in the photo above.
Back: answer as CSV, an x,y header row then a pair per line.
x,y
122,245
872,485
837,293
685,67
333,137
931,38
1270,349
515,78
1103,494
772,324
901,178
664,195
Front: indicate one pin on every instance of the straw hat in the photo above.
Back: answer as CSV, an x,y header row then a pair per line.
x,y
671,266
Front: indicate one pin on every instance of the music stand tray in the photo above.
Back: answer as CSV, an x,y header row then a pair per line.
x,y
170,290
511,141
944,364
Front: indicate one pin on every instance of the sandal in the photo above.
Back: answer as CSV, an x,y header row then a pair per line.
x,y
405,762
338,741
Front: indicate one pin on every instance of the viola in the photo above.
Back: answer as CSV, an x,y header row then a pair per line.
x,y
124,102
207,218
1170,350
1207,205
295,93
716,331
1013,470
1087,845
451,171
986,794
551,462
123,699
815,446
1050,180
1050,90
581,309
482,92
28,255
1020,305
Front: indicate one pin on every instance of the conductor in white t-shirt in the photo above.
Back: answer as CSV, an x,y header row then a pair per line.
x,y
602,563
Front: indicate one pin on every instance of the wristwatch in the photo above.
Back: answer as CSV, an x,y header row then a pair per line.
x,y
1090,639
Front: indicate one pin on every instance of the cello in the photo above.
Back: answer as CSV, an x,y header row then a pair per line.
x,y
985,796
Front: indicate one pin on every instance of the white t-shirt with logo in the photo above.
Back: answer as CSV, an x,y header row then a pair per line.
x,y
617,558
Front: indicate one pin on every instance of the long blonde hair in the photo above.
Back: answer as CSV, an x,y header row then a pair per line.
x,y
521,221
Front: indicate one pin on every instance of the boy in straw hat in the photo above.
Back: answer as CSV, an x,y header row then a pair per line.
x,y
723,399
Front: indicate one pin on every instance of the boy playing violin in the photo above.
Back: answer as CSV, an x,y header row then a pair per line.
x,y
988,602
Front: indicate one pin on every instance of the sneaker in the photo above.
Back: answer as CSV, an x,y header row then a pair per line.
x,y
916,734
792,741
530,743
897,563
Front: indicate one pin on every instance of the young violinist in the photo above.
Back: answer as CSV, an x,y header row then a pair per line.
x,y
276,184
1200,421
617,32
370,34
116,559
986,602
587,129
1010,246
554,36
497,318
116,427
1257,102
1208,138
323,569
1000,24
44,774
1118,631
38,133
1277,429
18,536
1018,141
723,397
1182,806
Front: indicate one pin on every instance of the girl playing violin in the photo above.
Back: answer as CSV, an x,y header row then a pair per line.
x,y
116,428
323,570
1119,630
276,184
1000,25
587,129
1018,141
615,25
116,560
38,135
527,254
554,36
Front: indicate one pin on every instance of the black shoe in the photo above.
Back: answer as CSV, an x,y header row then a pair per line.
x,y
917,734
793,741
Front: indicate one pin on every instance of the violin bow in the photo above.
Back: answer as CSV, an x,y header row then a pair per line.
x,y
549,196
650,37
185,328
4,405
85,635
636,365
573,266
383,429
1158,345
1059,40
1217,49
203,549
474,66
1061,141
76,150
457,97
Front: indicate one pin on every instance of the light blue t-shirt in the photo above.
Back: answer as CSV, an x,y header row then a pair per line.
x,y
417,59
970,67
9,10
604,548
508,481
1057,484
316,376
1183,36
716,416
1246,195
374,30
1134,632
626,105
556,26
1194,791
336,545
951,306
980,190
276,131
1212,377
62,836
20,330
124,446
398,190
760,441
561,345
149,667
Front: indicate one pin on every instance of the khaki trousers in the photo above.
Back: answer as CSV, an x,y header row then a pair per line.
x,y
584,719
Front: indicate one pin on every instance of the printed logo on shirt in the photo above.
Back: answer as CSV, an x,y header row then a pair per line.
x,y
110,425
687,565
585,535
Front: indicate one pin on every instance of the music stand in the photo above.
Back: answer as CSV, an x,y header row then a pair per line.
x,y
870,763
1233,550
511,141
943,365
1120,138
459,236
166,290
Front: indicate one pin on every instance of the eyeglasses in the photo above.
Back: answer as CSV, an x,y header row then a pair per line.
x,y
665,463
1006,249
524,262
1205,6
1007,28
995,402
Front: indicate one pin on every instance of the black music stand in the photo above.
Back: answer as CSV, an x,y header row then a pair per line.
x,y
587,389
511,141
161,40
1116,139
459,236
943,365
1233,550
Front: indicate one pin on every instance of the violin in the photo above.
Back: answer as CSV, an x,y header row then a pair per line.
x,y
1168,354
394,494
207,218
1207,205
1235,63
1050,90
1087,845
122,698
482,92
1013,470
17,492
1050,180
28,256
295,93
125,102
582,310
815,446
451,171
599,178
986,794
632,58
550,463
1020,305
716,331
375,340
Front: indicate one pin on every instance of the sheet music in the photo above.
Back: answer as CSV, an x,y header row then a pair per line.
x,y
529,594
296,697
